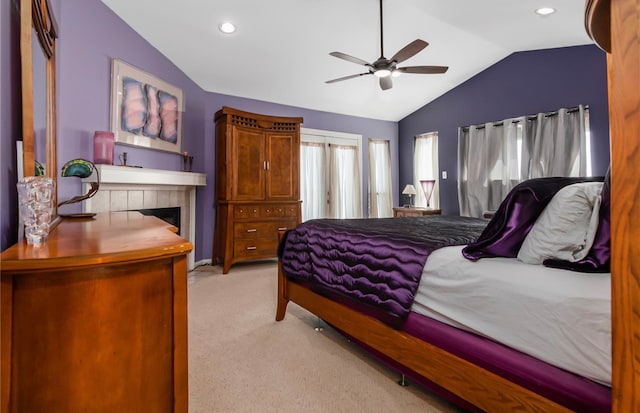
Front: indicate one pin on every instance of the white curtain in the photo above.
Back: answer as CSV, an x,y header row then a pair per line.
x,y
313,188
344,190
425,166
558,144
490,160
495,157
381,201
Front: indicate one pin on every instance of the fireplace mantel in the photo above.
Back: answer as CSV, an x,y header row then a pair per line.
x,y
144,176
125,188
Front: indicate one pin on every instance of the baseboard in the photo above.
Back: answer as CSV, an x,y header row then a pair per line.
x,y
206,261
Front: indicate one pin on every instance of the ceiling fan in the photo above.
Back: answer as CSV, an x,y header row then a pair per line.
x,y
384,68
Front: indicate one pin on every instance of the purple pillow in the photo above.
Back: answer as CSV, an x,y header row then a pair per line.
x,y
515,217
599,257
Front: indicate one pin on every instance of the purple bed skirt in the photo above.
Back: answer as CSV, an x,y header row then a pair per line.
x,y
567,389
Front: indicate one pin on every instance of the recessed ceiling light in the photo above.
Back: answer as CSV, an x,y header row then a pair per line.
x,y
227,27
543,11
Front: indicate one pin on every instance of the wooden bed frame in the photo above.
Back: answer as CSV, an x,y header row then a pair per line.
x,y
482,388
613,24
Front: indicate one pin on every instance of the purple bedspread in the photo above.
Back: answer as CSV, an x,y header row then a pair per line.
x,y
376,263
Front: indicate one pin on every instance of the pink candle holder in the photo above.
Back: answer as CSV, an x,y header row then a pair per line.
x,y
185,159
103,142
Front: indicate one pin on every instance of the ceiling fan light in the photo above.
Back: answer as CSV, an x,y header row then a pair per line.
x,y
544,11
382,73
227,27
396,73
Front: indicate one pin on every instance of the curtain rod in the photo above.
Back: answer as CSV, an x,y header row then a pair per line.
x,y
528,117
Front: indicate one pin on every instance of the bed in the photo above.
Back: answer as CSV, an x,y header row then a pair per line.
x,y
464,326
613,26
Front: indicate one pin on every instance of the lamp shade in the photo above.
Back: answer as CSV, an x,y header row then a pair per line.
x,y
409,190
427,187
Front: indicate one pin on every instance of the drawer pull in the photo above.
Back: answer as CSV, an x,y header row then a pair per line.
x,y
252,230
282,228
252,248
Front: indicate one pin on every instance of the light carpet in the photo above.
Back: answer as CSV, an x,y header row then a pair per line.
x,y
242,360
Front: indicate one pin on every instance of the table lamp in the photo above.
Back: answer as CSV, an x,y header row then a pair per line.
x,y
411,191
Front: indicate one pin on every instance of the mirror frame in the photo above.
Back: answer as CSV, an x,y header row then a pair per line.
x,y
37,15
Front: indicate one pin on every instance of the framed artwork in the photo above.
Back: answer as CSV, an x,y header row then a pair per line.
x,y
145,111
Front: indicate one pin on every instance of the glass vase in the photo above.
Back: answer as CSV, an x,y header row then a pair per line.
x,y
35,199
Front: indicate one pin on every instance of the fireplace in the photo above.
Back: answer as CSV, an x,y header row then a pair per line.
x,y
170,215
124,189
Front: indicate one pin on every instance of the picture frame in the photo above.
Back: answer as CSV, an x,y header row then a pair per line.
x,y
145,111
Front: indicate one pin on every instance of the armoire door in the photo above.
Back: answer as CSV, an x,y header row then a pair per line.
x,y
283,160
248,154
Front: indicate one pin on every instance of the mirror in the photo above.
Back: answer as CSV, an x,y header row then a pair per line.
x,y
38,33
39,72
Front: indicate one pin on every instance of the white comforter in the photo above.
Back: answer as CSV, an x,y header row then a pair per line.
x,y
561,317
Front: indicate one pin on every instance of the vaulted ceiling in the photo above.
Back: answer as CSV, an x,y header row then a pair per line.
x,y
280,50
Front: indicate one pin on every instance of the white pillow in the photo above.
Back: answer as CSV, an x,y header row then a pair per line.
x,y
566,228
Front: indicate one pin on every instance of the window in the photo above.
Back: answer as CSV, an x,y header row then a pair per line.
x,y
313,186
380,192
425,166
496,156
330,174
344,182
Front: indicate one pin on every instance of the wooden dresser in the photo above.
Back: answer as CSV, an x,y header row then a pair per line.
x,y
414,212
257,184
96,319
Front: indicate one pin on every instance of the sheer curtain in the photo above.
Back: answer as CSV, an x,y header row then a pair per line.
x,y
313,188
381,204
425,166
494,157
344,171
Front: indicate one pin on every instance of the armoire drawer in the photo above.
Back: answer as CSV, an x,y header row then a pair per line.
x,y
279,210
253,230
247,211
270,211
260,247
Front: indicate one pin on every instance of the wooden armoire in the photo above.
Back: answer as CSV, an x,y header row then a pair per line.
x,y
257,184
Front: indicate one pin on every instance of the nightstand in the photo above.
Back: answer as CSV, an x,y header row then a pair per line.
x,y
414,212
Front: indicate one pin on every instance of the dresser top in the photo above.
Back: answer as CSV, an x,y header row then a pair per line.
x,y
106,239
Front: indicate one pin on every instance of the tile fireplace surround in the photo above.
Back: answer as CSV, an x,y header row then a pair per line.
x,y
125,188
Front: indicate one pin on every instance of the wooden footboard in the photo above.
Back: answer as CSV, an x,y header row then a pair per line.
x,y
478,386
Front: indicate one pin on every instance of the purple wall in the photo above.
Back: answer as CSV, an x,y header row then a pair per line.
x,y
90,36
523,83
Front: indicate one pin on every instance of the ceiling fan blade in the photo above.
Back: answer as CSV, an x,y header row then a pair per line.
x,y
409,50
340,79
423,69
386,83
349,58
